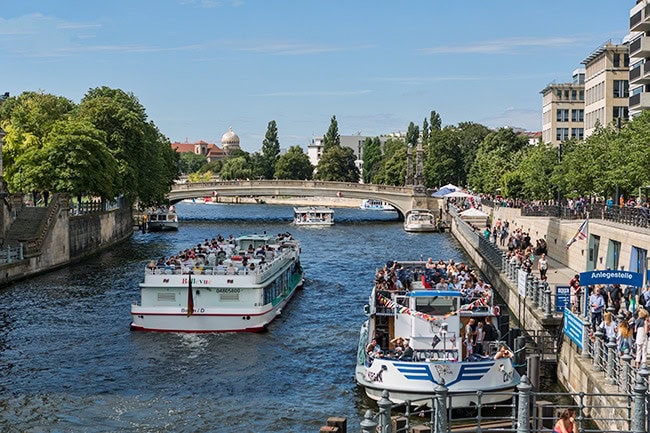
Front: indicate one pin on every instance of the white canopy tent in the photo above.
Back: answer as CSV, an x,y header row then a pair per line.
x,y
458,194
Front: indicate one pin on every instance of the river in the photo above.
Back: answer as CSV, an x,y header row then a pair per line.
x,y
69,363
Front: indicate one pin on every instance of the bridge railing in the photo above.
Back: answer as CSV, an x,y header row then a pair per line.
x,y
522,411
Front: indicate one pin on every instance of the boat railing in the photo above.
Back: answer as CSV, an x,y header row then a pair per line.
x,y
260,272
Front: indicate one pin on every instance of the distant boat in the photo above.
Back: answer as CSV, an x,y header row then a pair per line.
x,y
162,219
421,220
313,216
373,204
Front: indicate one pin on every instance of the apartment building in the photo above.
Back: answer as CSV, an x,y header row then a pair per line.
x,y
639,71
563,108
606,85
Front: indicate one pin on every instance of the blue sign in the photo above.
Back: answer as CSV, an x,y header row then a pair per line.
x,y
627,278
573,327
562,298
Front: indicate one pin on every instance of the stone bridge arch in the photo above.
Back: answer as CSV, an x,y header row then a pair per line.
x,y
402,198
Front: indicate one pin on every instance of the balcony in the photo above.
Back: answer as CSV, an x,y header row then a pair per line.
x,y
640,21
640,47
640,101
640,74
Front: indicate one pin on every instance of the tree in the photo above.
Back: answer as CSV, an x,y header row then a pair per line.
x,y
444,161
392,170
76,160
371,158
191,162
236,168
294,165
412,135
270,150
338,164
212,167
436,121
471,135
535,173
332,138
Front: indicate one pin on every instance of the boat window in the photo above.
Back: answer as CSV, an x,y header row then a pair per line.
x,y
166,297
437,305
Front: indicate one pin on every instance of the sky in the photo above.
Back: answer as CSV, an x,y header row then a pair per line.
x,y
200,67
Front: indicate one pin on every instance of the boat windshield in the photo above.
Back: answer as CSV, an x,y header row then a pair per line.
x,y
436,305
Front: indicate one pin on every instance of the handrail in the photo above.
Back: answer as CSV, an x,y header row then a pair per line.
x,y
34,246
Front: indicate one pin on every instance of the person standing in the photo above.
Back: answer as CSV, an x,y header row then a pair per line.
x,y
641,340
596,306
542,266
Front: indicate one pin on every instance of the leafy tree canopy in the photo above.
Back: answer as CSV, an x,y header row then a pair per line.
x,y
294,165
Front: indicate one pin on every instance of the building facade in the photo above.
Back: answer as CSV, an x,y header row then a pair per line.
x,y
606,86
563,107
212,152
639,71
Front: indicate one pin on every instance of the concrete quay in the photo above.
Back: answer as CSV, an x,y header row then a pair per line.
x,y
579,371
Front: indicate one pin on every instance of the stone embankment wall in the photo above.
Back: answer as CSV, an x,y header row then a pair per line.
x,y
69,239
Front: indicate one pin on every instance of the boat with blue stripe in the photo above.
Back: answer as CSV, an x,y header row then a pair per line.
x,y
428,326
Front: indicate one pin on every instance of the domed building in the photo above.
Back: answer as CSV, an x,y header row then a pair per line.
x,y
230,142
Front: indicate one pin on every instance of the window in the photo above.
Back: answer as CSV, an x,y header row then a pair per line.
x,y
566,94
578,133
562,115
582,95
620,112
574,95
621,89
562,134
558,93
617,60
626,60
577,115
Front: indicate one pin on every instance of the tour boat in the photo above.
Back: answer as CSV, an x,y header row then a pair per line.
x,y
421,220
372,204
434,322
233,285
313,216
162,219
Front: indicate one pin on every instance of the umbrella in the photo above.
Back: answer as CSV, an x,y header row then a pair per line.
x,y
473,212
459,194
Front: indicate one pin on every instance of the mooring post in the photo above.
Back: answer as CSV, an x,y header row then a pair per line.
x,y
548,304
585,339
533,370
627,371
441,391
535,290
639,420
598,340
385,406
611,359
368,424
523,406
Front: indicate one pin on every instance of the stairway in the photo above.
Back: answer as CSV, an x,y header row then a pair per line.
x,y
26,226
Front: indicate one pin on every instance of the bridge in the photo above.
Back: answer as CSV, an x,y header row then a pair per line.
x,y
402,198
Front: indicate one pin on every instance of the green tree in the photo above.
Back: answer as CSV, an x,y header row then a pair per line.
x,y
412,135
392,170
332,138
535,173
212,167
371,158
444,162
499,153
436,121
471,135
191,162
294,165
270,150
236,168
338,164
76,160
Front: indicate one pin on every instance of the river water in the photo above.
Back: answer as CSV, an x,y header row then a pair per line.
x,y
69,363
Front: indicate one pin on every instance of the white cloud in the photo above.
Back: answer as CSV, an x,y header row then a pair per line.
x,y
506,45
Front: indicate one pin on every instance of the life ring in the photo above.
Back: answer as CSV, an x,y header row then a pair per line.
x,y
236,258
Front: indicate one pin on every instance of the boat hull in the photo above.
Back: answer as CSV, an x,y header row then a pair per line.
x,y
208,320
162,226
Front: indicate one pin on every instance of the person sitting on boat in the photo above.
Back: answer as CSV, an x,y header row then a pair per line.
x,y
430,264
251,266
251,250
230,270
503,352
373,350
151,267
407,353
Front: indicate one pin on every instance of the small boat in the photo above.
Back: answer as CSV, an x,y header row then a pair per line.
x,y
162,219
373,204
432,323
421,220
223,285
313,216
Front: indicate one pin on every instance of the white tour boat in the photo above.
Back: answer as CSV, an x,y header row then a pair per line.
x,y
233,285
373,204
433,325
421,220
313,216
162,219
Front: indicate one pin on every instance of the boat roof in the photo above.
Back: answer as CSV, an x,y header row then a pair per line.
x,y
434,293
255,237
313,209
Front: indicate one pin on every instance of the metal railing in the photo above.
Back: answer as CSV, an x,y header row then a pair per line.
x,y
11,254
522,411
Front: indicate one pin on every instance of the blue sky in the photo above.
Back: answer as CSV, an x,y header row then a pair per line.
x,y
202,66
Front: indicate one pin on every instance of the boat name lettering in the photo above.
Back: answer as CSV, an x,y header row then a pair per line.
x,y
227,290
204,281
195,310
